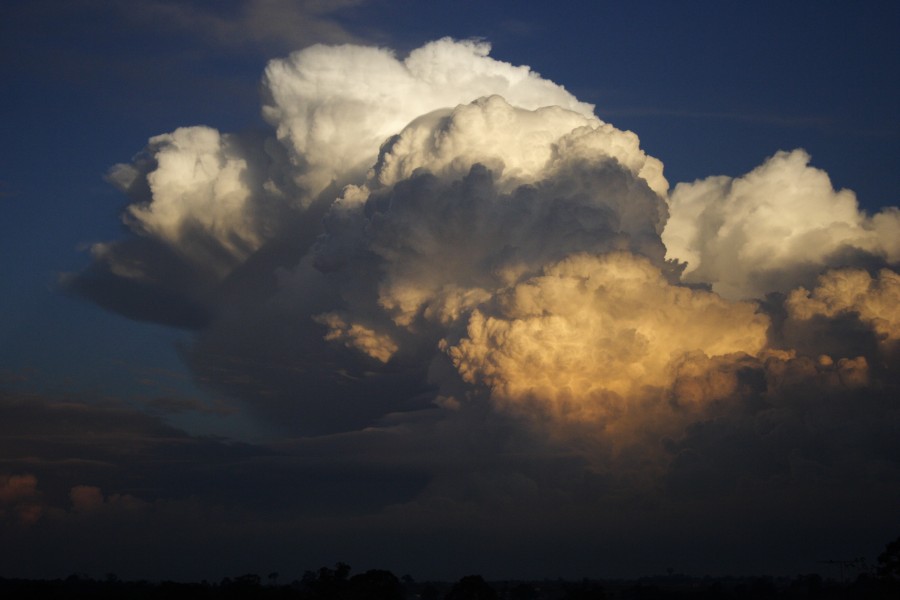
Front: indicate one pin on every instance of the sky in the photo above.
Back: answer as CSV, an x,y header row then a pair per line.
x,y
529,290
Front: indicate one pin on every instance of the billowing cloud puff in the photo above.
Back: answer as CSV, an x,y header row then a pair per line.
x,y
90,498
333,106
773,228
20,498
592,333
192,181
558,183
86,498
520,145
15,488
875,300
378,346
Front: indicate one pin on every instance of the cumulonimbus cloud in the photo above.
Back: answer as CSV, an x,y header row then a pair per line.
x,y
450,223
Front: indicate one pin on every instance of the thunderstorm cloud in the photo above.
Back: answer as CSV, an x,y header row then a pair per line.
x,y
448,247
450,221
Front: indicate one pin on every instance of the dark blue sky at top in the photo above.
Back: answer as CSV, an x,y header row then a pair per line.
x,y
710,88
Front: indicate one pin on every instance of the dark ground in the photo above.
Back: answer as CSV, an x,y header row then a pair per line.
x,y
327,584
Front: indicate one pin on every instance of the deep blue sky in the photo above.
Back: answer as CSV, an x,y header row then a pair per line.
x,y
710,87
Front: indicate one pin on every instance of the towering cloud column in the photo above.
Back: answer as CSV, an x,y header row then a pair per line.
x,y
450,224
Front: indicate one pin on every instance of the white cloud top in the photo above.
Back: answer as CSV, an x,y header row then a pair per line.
x,y
333,106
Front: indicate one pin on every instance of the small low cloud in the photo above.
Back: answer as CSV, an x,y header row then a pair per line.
x,y
90,499
20,499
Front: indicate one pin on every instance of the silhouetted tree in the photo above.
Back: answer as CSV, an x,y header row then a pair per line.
x,y
586,591
471,587
762,588
889,561
327,583
248,580
805,586
429,592
641,592
523,591
375,583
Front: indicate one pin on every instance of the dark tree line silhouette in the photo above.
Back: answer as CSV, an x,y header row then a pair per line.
x,y
883,583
